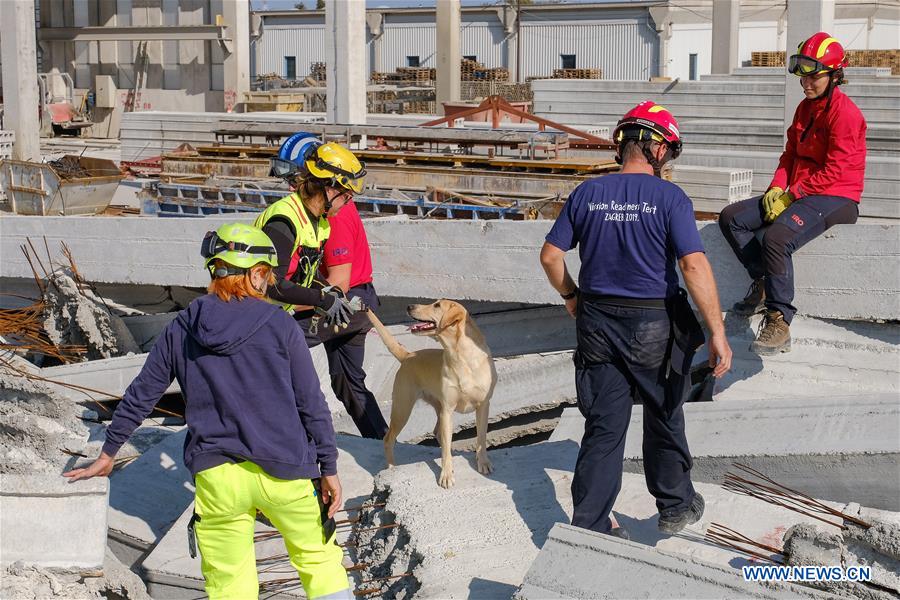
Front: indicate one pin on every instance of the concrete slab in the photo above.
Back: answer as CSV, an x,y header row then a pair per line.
x,y
109,375
49,522
577,563
454,551
839,448
839,274
147,497
171,572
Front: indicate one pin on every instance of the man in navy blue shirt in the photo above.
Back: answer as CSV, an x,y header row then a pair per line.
x,y
635,329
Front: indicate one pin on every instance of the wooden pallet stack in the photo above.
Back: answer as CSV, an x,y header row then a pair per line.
x,y
767,59
479,90
317,71
577,74
471,70
857,58
875,58
418,75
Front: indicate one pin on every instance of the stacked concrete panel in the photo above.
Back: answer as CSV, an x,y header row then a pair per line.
x,y
838,275
737,122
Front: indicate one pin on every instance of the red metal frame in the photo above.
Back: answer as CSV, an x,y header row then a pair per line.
x,y
498,107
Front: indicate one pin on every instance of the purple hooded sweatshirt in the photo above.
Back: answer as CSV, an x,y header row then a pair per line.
x,y
250,389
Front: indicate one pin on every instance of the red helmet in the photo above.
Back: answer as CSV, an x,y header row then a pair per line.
x,y
648,121
819,54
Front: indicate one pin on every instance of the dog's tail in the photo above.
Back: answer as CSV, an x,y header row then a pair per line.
x,y
395,347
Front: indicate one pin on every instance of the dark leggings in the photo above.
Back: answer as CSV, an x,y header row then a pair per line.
x,y
802,221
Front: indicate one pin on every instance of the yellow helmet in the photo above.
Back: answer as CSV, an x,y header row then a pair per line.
x,y
338,165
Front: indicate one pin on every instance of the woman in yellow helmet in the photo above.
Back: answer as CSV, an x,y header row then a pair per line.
x,y
317,242
259,429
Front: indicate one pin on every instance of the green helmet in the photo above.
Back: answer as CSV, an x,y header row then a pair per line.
x,y
238,245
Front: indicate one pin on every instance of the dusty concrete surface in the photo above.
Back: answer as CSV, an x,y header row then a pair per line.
x,y
24,582
479,538
577,563
36,425
76,316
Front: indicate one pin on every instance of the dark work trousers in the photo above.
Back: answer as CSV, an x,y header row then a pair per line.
x,y
346,351
621,358
802,221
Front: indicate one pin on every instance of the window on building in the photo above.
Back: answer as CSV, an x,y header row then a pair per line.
x,y
568,61
692,67
290,67
471,57
412,61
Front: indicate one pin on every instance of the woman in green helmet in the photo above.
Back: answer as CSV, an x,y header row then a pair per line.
x,y
260,435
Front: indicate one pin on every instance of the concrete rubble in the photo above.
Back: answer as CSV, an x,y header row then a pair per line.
x,y
36,425
875,547
29,582
77,316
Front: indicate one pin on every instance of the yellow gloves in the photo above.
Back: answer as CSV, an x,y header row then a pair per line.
x,y
774,202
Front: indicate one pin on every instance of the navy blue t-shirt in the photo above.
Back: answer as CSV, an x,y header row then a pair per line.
x,y
630,229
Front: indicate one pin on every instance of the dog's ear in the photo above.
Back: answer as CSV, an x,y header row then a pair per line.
x,y
452,316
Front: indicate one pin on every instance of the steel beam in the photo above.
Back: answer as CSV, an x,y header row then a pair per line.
x,y
132,33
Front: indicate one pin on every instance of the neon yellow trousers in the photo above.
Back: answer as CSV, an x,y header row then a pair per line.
x,y
227,499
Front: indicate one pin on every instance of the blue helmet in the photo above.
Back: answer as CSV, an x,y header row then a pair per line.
x,y
293,153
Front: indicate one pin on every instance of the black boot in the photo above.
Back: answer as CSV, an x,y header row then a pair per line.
x,y
675,522
754,301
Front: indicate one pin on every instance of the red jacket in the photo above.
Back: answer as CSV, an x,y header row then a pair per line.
x,y
831,159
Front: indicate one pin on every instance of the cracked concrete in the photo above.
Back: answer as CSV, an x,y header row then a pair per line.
x,y
76,316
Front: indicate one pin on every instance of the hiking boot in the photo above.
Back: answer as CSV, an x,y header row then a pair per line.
x,y
675,522
754,301
774,335
620,532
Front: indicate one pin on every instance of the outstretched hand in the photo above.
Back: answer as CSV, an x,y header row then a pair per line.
x,y
101,467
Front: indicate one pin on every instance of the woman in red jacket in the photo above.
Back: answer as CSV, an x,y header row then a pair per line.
x,y
818,183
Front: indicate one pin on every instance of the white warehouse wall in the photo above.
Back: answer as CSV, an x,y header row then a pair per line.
x,y
757,36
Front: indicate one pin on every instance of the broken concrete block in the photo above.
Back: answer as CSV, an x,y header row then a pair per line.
x,y
577,563
50,522
856,546
854,439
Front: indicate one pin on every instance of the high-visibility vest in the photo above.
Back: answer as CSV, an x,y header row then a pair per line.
x,y
309,241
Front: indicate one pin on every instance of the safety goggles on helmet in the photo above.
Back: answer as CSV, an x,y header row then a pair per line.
x,y
804,66
282,168
238,255
645,131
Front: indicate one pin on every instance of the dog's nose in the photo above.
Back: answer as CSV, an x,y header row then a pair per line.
x,y
410,307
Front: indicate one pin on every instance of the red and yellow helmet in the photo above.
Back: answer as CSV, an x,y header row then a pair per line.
x,y
821,53
648,121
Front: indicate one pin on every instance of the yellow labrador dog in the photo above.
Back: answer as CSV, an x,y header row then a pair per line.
x,y
460,378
